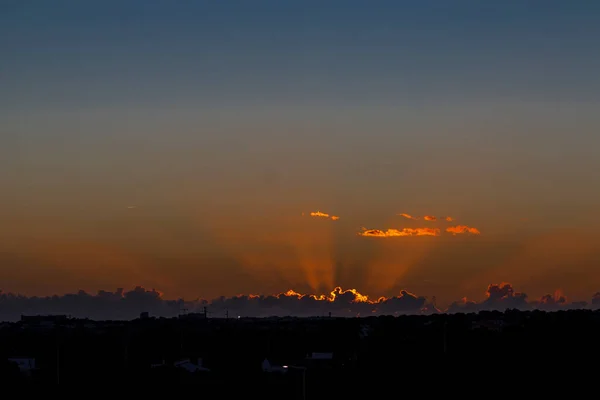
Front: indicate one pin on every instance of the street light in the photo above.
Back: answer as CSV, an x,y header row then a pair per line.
x,y
303,369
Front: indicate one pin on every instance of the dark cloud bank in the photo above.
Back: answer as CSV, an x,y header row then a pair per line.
x,y
122,304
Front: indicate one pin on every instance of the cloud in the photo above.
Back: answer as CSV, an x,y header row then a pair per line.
x,y
407,216
459,229
324,215
123,305
501,297
338,302
397,232
104,305
551,302
596,299
431,218
498,297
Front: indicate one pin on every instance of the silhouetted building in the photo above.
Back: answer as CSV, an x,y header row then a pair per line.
x,y
44,320
319,360
491,325
320,356
26,365
162,364
268,367
189,366
194,316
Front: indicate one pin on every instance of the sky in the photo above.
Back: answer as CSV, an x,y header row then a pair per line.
x,y
182,146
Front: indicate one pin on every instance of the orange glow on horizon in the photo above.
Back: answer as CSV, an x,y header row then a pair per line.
x,y
314,257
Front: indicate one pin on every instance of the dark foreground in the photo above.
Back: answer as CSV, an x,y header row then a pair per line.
x,y
471,353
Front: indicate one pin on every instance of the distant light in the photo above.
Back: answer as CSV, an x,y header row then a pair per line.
x,y
285,366
239,317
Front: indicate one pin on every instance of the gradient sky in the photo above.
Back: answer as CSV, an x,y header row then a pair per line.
x,y
223,121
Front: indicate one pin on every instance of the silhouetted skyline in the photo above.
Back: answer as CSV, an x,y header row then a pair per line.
x,y
129,304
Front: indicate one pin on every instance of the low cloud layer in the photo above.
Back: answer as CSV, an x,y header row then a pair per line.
x,y
502,296
120,305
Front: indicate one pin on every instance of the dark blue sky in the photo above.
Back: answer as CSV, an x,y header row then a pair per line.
x,y
90,53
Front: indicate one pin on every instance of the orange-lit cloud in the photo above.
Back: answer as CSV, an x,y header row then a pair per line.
x,y
407,216
458,229
324,215
398,232
431,218
351,294
557,298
